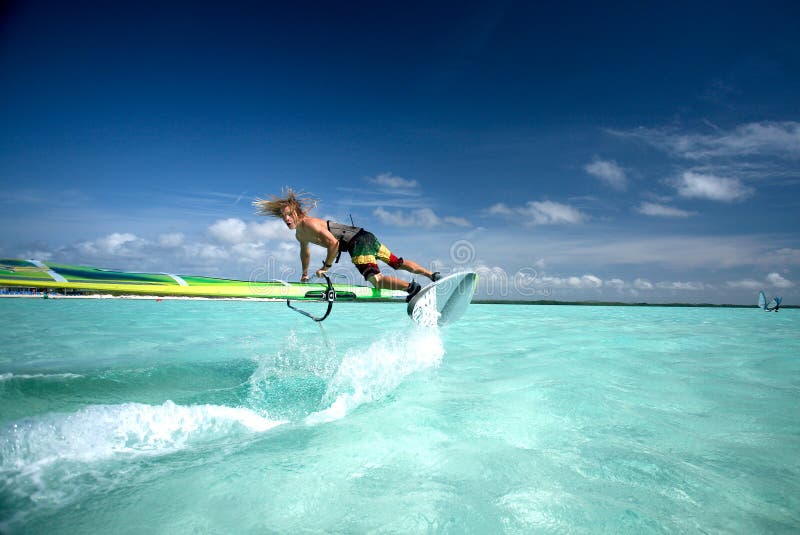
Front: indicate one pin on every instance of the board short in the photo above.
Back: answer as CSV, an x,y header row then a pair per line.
x,y
366,250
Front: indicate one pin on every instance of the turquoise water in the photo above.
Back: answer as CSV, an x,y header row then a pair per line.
x,y
175,417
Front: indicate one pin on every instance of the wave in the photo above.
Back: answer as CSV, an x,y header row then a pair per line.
x,y
100,432
46,376
291,382
367,375
52,460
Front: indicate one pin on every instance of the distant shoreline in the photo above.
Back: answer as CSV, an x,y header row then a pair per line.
x,y
613,304
474,302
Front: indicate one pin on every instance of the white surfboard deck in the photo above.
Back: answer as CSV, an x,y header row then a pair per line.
x,y
443,301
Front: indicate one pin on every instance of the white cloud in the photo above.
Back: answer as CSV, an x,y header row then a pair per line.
x,y
497,281
426,218
36,254
116,241
422,217
700,186
249,252
499,209
540,213
678,251
660,210
609,172
683,251
775,280
207,251
583,282
782,256
458,221
493,281
401,198
682,286
589,281
772,280
754,138
745,284
781,139
643,284
229,230
269,230
233,251
586,281
115,244
550,213
233,231
392,181
173,239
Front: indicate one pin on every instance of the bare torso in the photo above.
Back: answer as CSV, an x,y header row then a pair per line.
x,y
314,230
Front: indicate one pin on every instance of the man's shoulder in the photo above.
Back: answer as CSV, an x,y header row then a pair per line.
x,y
313,224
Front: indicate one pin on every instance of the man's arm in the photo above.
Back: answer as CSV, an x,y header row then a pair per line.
x,y
332,245
333,250
305,259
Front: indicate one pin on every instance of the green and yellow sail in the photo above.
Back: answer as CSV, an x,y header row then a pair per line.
x,y
54,276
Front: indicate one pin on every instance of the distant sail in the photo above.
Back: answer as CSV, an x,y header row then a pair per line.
x,y
762,300
775,304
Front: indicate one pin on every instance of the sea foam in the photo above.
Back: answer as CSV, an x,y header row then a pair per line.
x,y
100,432
44,376
369,374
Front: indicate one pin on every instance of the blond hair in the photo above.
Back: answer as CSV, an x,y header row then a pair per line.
x,y
300,203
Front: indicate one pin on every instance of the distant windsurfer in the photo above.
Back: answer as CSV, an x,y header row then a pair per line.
x,y
364,248
773,306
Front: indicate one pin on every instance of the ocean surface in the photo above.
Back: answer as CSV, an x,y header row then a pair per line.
x,y
130,416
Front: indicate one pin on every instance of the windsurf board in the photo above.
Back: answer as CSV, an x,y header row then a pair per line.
x,y
443,301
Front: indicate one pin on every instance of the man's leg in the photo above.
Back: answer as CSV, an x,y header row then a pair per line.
x,y
387,282
413,267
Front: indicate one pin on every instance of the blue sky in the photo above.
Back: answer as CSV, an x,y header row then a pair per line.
x,y
564,150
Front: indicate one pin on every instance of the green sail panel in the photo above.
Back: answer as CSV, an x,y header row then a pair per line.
x,y
55,276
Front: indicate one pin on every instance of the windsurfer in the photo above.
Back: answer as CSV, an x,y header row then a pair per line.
x,y
364,248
